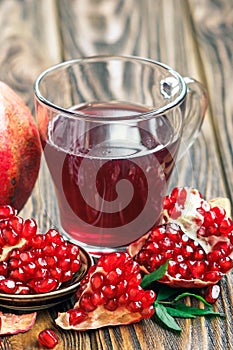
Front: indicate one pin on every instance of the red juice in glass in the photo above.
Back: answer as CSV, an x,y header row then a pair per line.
x,y
110,180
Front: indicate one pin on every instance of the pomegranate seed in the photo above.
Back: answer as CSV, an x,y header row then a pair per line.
x,y
213,276
219,214
29,229
10,236
226,226
225,263
209,218
48,338
135,306
45,285
148,312
97,280
38,241
6,212
212,293
85,302
76,316
3,268
111,305
109,291
16,223
98,298
8,285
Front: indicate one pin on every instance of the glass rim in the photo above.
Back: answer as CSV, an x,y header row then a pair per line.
x,y
153,112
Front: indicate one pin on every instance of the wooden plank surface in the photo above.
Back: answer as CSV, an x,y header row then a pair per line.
x,y
194,37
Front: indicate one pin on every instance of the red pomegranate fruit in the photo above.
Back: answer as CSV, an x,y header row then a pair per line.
x,y
195,235
109,295
20,149
32,262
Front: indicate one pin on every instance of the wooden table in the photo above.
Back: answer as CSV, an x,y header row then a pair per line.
x,y
193,36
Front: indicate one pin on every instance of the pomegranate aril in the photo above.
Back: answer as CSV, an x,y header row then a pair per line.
x,y
29,229
18,275
10,236
148,312
76,316
114,276
148,298
97,280
45,285
4,268
29,269
212,293
199,254
135,293
75,266
209,218
109,291
225,263
6,211
53,236
56,273
226,226
134,306
98,298
123,299
85,302
198,269
16,223
48,338
66,276
213,276
38,241
8,285
111,305
219,213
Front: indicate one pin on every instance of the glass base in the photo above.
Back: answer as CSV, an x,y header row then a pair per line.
x,y
94,251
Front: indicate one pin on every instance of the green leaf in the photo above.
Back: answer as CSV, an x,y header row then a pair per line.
x,y
197,311
186,294
179,313
154,276
165,292
165,318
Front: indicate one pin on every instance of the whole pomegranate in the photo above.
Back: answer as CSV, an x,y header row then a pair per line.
x,y
195,235
20,149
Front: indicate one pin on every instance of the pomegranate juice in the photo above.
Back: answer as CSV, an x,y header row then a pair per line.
x,y
109,178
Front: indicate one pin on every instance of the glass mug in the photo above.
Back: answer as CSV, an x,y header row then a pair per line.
x,y
111,128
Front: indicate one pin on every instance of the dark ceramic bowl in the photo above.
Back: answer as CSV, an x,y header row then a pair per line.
x,y
41,301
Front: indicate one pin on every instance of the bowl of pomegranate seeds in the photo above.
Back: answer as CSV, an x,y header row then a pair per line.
x,y
37,270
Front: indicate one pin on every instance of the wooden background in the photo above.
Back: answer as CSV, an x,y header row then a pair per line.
x,y
193,36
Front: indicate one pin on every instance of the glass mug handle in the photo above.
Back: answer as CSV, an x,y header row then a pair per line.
x,y
196,105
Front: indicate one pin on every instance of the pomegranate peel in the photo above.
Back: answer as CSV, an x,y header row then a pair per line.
x,y
109,295
13,324
197,237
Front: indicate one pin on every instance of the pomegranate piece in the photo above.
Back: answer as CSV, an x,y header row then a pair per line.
x,y
194,234
20,149
13,324
32,262
109,295
48,338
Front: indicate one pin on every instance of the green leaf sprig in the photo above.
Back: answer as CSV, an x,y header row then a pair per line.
x,y
168,306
